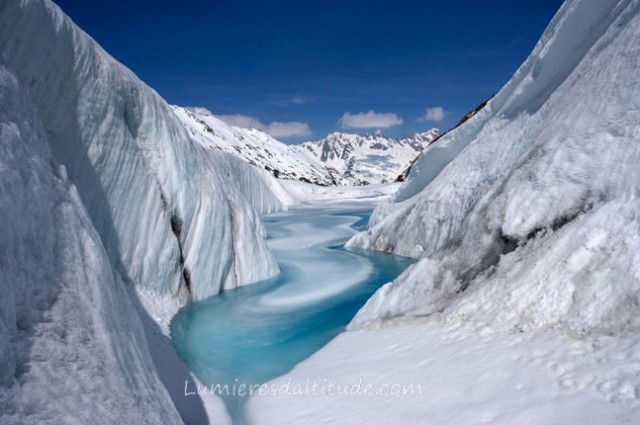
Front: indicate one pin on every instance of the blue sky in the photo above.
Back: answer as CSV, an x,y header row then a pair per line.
x,y
321,66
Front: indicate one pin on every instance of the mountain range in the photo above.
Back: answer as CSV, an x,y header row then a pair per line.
x,y
370,159
340,159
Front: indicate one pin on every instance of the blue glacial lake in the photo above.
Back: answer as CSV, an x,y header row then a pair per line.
x,y
255,333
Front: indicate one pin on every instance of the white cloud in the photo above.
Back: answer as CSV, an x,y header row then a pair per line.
x,y
370,119
288,129
275,129
242,121
436,114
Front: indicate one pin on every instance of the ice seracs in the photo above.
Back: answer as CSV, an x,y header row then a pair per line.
x,y
525,217
371,159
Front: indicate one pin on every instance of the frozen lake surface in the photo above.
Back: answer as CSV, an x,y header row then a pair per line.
x,y
256,333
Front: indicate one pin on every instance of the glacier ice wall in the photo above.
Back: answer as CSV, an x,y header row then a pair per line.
x,y
526,217
71,344
168,218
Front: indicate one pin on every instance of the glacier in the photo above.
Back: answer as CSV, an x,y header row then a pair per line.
x,y
523,306
110,207
69,334
526,217
172,215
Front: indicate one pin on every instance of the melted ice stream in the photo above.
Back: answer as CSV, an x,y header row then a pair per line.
x,y
256,333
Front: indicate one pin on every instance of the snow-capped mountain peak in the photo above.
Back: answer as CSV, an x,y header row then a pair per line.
x,y
372,158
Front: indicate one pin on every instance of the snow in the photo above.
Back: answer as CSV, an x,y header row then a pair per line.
x,y
421,371
254,146
371,159
69,335
578,33
525,218
458,374
303,192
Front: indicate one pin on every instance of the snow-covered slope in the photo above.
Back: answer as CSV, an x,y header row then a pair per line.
x,y
72,347
526,217
424,373
339,159
171,214
370,159
256,147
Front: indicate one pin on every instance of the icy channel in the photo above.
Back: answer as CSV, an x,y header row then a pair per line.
x,y
256,333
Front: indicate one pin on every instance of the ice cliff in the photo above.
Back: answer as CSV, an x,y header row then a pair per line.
x,y
527,216
102,189
70,339
172,215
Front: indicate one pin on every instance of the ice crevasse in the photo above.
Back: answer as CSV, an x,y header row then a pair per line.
x,y
527,217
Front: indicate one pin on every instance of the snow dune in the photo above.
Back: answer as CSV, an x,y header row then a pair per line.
x,y
526,217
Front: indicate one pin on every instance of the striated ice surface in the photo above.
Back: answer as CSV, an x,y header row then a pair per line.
x,y
72,347
526,217
100,188
135,167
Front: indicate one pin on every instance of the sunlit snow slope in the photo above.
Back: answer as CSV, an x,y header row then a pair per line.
x,y
527,216
172,215
256,147
371,159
